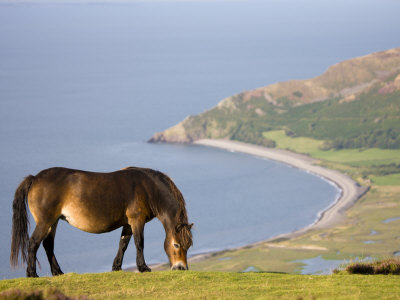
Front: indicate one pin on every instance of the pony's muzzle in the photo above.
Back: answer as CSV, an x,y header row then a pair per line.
x,y
179,267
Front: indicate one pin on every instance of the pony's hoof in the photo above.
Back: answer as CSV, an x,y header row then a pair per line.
x,y
32,275
144,269
58,273
116,268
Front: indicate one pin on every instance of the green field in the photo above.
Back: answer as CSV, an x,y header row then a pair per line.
x,y
352,157
390,180
214,285
361,157
298,144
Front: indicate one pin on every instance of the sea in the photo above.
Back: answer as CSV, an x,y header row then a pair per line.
x,y
85,84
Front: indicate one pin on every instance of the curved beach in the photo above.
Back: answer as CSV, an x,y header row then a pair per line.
x,y
351,191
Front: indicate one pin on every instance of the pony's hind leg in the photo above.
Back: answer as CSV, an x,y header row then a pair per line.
x,y
48,244
37,237
126,235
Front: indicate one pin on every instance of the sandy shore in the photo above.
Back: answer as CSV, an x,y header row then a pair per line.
x,y
351,191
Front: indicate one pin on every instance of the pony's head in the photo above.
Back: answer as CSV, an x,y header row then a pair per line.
x,y
176,244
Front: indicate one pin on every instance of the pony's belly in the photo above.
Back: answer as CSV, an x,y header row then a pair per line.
x,y
85,221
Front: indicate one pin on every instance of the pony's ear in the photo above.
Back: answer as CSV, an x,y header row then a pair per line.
x,y
178,227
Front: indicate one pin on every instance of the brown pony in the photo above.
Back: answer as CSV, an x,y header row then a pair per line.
x,y
98,203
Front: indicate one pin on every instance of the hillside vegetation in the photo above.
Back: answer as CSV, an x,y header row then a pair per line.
x,y
354,104
212,285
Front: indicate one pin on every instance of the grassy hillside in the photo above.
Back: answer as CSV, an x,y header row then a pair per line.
x,y
354,104
213,285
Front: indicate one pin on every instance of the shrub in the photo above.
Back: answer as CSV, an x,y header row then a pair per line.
x,y
247,133
390,266
360,268
298,94
386,267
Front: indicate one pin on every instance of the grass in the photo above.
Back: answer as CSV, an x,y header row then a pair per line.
x,y
388,180
296,144
265,258
213,285
360,157
352,157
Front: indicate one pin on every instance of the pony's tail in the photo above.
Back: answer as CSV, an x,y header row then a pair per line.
x,y
20,223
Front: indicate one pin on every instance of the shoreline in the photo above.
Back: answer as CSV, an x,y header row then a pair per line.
x,y
350,191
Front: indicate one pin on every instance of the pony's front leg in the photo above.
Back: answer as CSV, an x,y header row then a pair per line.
x,y
137,229
123,244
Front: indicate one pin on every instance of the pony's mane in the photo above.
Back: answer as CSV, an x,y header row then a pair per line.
x,y
182,228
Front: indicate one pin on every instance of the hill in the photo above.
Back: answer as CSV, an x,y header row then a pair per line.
x,y
354,104
210,285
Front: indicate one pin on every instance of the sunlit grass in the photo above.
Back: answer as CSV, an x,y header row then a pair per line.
x,y
392,179
359,157
353,157
213,285
296,144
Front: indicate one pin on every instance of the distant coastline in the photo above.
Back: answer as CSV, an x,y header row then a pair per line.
x,y
351,191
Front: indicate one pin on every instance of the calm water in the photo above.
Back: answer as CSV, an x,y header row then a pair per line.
x,y
85,85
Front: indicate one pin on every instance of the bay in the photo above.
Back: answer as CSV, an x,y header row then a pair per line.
x,y
84,85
